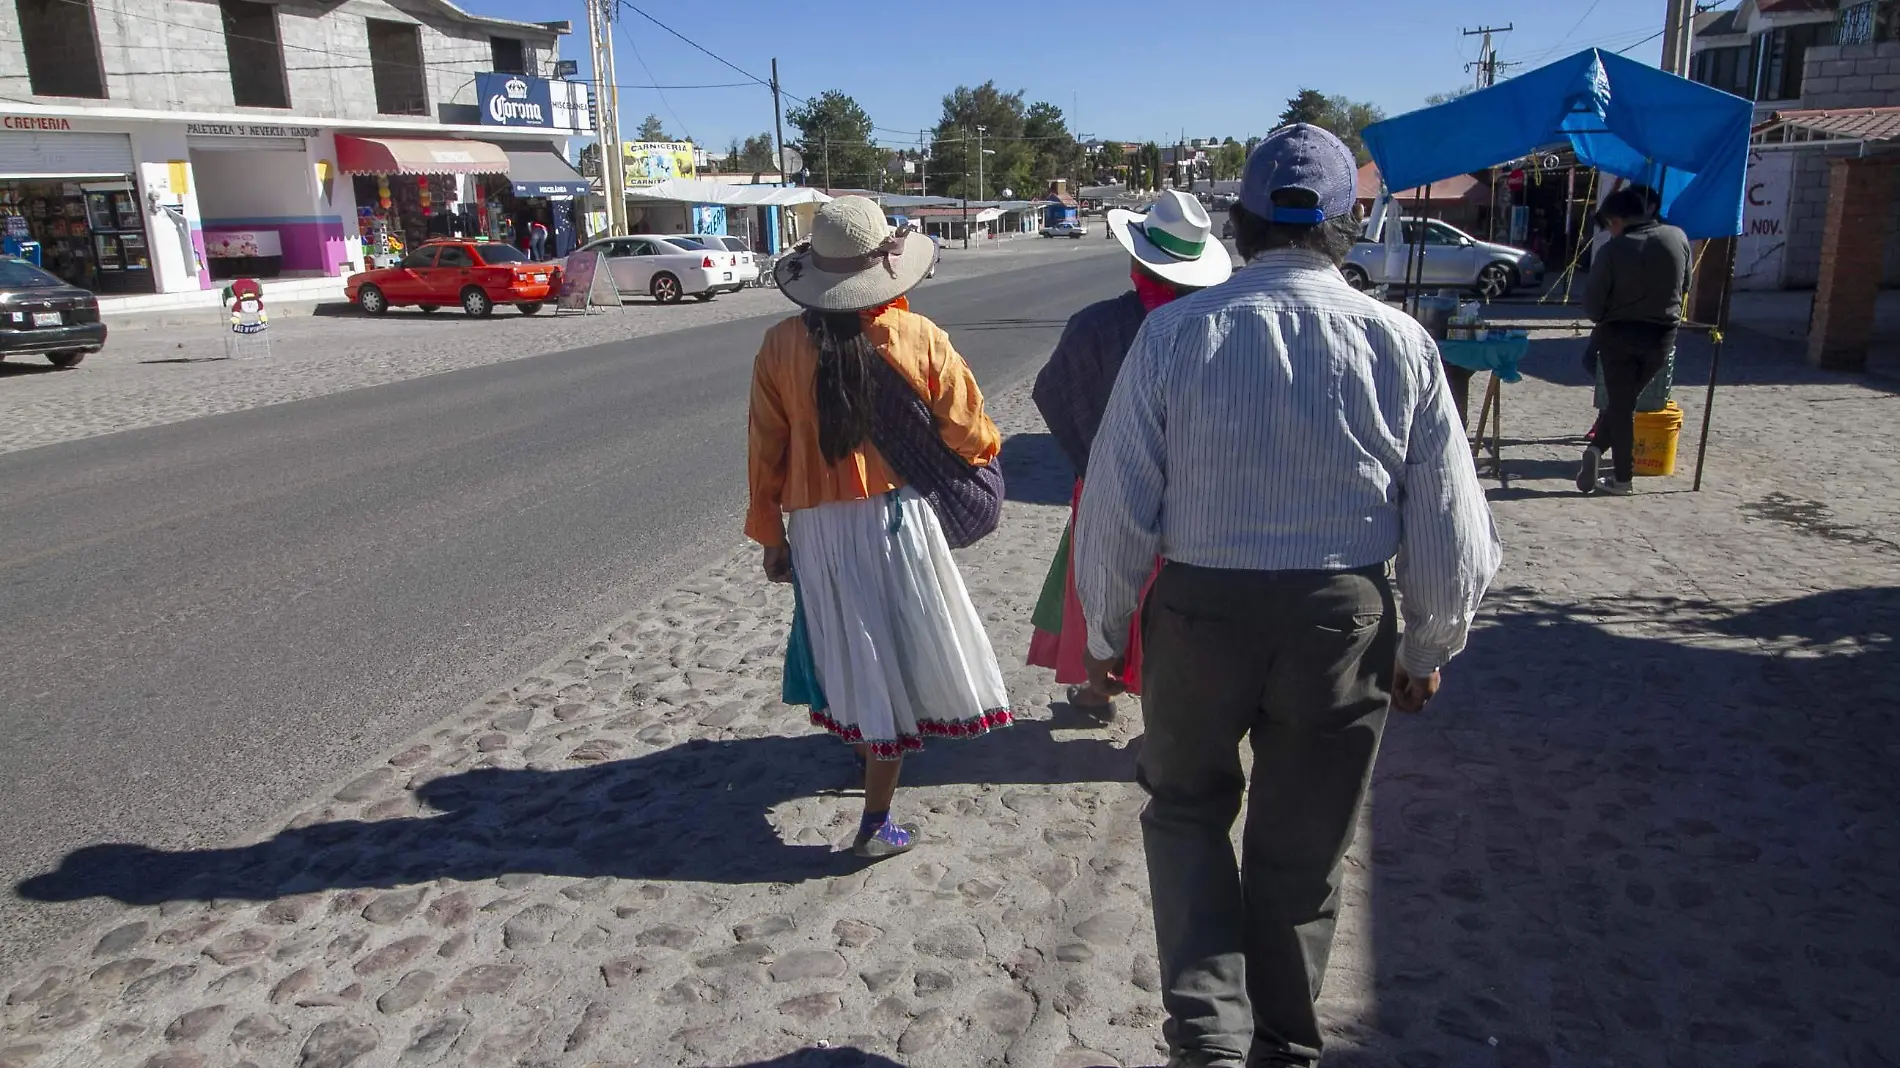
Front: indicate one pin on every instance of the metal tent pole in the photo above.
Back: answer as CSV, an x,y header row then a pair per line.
x,y
1417,251
1715,362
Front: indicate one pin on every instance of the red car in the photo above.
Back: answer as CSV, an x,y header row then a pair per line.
x,y
474,274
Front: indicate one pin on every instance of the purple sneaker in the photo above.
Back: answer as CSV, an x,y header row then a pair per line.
x,y
887,841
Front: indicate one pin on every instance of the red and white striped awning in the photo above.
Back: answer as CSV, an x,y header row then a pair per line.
x,y
414,155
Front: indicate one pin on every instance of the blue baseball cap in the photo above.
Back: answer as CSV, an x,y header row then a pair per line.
x,y
1300,156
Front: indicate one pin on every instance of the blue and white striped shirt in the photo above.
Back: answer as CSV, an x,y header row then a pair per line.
x,y
1284,421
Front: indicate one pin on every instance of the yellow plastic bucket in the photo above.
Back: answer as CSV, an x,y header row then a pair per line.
x,y
1656,436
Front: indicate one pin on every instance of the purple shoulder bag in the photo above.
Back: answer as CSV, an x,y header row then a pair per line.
x,y
968,499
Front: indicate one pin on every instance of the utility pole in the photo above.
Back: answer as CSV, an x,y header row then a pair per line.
x,y
1487,63
1678,31
923,165
824,142
607,114
966,193
1487,66
982,190
778,125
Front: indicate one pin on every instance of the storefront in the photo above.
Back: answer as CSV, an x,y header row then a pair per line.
x,y
260,197
768,217
409,189
163,205
540,186
69,200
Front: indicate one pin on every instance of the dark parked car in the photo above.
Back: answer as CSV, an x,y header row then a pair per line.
x,y
39,314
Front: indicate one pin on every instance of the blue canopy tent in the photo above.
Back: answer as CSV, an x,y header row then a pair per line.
x,y
1687,141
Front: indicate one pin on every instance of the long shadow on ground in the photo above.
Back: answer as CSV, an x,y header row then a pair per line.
x,y
695,812
1675,842
826,1058
1035,471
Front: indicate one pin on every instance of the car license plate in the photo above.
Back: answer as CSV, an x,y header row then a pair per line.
x,y
540,277
48,319
728,276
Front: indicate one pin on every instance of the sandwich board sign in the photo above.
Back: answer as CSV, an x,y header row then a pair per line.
x,y
586,284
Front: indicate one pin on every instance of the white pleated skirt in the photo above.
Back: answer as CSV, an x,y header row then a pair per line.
x,y
898,648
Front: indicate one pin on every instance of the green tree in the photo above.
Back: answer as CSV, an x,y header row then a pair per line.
x,y
1229,161
756,155
1151,166
1343,116
954,170
835,139
1446,97
1347,118
1110,162
652,130
1055,153
1308,105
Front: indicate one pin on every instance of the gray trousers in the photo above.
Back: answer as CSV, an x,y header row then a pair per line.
x,y
1299,664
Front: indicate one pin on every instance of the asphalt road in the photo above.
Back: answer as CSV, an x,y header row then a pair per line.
x,y
207,622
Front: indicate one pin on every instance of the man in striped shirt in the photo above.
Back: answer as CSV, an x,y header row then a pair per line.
x,y
1277,440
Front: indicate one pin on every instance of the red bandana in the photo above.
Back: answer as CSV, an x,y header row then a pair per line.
x,y
1152,291
902,303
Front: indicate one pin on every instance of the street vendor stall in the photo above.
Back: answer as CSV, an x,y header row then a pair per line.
x,y
1687,141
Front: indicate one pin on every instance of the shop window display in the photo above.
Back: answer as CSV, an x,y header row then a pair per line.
x,y
396,212
87,235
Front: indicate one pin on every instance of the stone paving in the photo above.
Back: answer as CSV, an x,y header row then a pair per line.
x,y
1650,821
171,366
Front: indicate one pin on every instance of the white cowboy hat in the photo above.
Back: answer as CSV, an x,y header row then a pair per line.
x,y
1174,240
854,259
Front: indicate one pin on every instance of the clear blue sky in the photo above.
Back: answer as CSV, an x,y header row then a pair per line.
x,y
1123,72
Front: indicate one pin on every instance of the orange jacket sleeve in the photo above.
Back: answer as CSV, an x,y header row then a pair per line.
x,y
767,443
958,404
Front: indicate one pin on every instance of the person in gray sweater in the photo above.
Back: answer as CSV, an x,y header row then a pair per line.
x,y
1635,296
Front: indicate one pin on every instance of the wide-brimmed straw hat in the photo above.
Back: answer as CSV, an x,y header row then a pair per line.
x,y
854,259
1174,240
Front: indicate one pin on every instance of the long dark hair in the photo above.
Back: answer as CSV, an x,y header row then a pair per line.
x,y
843,381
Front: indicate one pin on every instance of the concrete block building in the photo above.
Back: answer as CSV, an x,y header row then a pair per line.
x,y
1822,193
1800,55
155,147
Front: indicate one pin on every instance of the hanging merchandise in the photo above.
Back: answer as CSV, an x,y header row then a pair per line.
x,y
382,191
422,193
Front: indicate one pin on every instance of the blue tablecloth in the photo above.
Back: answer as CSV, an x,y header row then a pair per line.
x,y
1499,356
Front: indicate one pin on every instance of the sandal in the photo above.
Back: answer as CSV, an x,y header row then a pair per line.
x,y
888,840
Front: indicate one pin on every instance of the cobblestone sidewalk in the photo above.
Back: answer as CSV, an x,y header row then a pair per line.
x,y
1650,821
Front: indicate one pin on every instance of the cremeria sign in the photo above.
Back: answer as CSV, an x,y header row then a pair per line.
x,y
518,100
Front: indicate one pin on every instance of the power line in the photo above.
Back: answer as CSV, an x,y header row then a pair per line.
x,y
133,46
1587,12
275,41
730,65
696,45
1640,43
664,102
